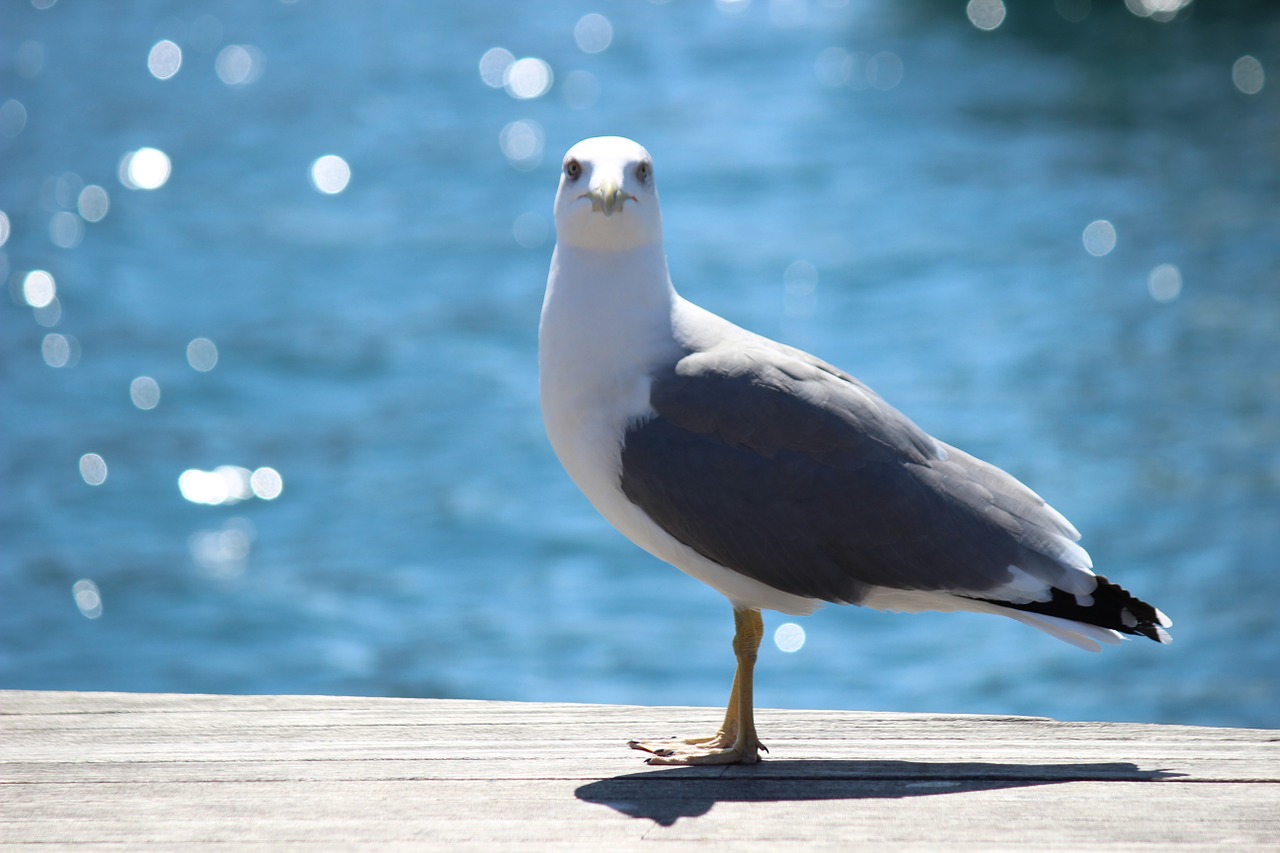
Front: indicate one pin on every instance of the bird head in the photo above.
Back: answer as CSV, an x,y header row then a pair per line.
x,y
607,199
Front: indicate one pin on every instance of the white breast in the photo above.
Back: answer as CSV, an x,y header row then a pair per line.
x,y
605,326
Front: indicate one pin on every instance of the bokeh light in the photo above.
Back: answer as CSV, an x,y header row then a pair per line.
x,y
93,468
164,60
522,142
64,190
833,66
800,285
593,33
1248,75
493,66
229,484
239,65
202,354
1164,283
330,174
28,59
144,169
4,228
87,597
800,278
60,350
530,230
789,637
93,203
223,552
39,288
144,392
226,484
1156,10
1099,238
884,71
266,483
985,14
48,315
66,229
13,118
528,78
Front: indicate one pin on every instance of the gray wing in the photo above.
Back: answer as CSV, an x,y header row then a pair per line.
x,y
783,468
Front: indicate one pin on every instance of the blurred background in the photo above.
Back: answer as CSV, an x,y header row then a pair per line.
x,y
268,404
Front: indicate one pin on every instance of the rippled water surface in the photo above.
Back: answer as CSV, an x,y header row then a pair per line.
x,y
268,412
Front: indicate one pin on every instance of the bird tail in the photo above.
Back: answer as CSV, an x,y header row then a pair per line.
x,y
1085,620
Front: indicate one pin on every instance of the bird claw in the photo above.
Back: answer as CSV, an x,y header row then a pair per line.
x,y
652,749
718,749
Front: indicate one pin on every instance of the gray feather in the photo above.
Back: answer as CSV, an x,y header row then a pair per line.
x,y
781,467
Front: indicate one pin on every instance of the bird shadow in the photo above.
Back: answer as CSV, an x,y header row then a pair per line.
x,y
666,795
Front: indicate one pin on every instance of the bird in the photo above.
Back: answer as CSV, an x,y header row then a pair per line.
x,y
767,473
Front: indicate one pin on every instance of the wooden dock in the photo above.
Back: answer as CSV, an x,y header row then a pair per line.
x,y
175,772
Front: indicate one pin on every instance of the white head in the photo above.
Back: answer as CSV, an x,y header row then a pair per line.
x,y
607,199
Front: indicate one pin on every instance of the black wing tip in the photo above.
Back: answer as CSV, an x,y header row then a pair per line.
x,y
1135,615
1109,606
1155,632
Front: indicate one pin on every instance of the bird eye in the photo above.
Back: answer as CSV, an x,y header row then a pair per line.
x,y
573,169
643,171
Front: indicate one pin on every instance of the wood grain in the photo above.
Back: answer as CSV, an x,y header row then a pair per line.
x,y
141,771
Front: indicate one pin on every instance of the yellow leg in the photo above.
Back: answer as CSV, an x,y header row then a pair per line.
x,y
736,741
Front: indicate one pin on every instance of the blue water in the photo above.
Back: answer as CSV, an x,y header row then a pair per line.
x,y
884,184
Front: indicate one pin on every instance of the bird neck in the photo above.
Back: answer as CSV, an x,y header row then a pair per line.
x,y
614,306
606,323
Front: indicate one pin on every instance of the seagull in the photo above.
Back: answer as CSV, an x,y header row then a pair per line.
x,y
768,474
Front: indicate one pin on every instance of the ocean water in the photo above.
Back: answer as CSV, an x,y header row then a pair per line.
x,y
269,422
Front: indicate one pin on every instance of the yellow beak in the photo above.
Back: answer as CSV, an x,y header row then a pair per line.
x,y
608,197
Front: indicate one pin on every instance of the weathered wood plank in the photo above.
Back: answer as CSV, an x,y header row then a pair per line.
x,y
129,771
